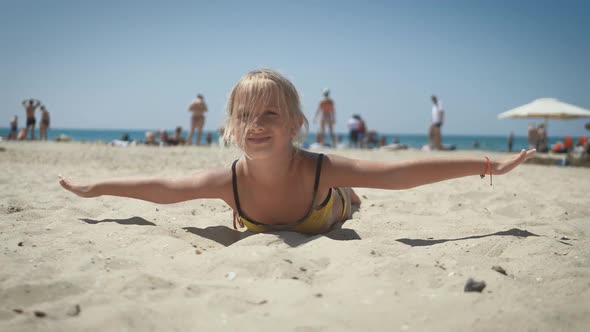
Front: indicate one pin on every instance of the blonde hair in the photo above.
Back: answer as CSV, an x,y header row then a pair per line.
x,y
256,90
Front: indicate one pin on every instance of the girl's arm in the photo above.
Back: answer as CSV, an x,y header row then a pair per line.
x,y
211,184
343,172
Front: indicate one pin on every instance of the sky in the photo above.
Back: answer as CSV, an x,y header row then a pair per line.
x,y
138,64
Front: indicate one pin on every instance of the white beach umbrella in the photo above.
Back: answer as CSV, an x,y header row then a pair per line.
x,y
547,108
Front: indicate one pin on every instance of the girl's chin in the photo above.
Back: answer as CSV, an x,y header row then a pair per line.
x,y
255,154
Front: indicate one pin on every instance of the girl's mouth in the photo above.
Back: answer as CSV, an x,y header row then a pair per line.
x,y
259,140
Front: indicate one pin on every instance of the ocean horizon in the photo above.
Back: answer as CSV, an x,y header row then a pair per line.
x,y
461,142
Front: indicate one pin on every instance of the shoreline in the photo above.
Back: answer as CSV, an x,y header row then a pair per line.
x,y
546,159
459,141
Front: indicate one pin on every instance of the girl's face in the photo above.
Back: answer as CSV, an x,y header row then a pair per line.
x,y
264,131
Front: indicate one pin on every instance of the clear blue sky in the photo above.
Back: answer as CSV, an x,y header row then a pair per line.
x,y
137,64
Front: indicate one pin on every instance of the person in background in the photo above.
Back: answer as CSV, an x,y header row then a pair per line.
x,y
177,138
353,127
510,141
542,139
44,125
209,138
13,128
164,138
328,115
532,136
435,133
198,109
30,106
362,131
150,138
372,139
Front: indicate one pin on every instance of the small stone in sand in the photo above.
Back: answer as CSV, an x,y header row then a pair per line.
x,y
20,244
474,286
565,238
499,269
39,314
198,252
18,311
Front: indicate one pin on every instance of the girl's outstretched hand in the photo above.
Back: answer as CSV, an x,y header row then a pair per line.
x,y
506,165
82,191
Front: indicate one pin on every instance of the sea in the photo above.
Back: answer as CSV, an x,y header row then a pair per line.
x,y
460,142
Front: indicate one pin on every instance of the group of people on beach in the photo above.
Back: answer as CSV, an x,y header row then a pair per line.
x,y
163,139
360,136
30,105
537,137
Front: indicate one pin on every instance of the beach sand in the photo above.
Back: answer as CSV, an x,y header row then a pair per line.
x,y
401,263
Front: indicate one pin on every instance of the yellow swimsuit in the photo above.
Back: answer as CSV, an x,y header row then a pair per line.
x,y
313,222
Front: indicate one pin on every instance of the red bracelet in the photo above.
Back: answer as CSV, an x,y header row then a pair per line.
x,y
488,166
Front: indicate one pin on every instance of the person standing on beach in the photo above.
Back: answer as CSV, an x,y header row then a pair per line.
x,y
435,136
30,106
353,127
13,128
362,132
532,136
198,109
328,115
542,145
510,141
44,125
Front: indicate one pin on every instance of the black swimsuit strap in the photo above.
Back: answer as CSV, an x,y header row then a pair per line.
x,y
234,181
318,172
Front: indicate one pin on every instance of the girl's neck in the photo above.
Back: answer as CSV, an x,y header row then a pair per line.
x,y
268,170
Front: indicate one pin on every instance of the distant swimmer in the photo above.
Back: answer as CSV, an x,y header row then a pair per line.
x,y
328,115
30,106
198,109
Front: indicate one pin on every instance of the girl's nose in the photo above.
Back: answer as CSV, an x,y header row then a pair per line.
x,y
257,126
258,123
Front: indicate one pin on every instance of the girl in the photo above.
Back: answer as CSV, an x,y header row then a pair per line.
x,y
277,186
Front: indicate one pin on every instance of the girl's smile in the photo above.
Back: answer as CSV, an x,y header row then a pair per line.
x,y
258,139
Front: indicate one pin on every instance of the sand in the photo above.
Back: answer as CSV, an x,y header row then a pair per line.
x,y
401,263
